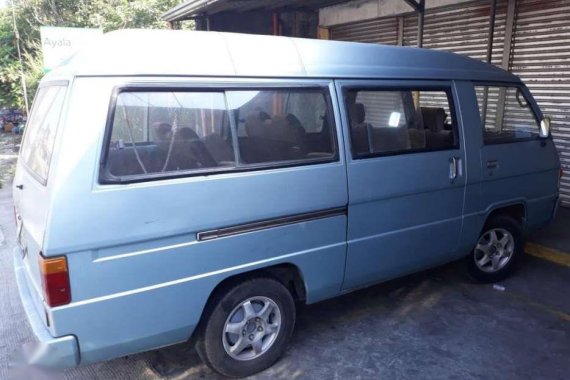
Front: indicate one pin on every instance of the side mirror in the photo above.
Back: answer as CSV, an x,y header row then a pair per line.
x,y
544,127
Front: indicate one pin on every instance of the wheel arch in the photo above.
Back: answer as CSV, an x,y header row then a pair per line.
x,y
516,210
288,274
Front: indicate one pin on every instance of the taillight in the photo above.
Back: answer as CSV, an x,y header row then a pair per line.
x,y
55,280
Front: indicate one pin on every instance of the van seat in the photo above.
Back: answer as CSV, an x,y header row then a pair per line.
x,y
389,139
437,135
189,152
280,138
220,149
358,128
124,162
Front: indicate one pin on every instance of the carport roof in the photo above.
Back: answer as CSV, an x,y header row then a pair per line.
x,y
195,8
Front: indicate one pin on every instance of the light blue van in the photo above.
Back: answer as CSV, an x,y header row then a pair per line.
x,y
182,186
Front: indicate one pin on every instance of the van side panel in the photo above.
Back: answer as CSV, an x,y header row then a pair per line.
x,y
139,276
167,312
527,174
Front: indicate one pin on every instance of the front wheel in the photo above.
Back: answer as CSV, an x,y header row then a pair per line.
x,y
498,249
248,329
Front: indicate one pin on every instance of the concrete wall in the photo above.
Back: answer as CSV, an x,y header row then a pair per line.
x,y
359,10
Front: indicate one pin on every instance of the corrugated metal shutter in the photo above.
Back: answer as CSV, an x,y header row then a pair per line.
x,y
541,57
463,29
379,31
460,29
540,53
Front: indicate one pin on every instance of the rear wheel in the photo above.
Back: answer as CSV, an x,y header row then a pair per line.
x,y
498,250
248,328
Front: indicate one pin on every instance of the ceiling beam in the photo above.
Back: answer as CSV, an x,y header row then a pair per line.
x,y
419,6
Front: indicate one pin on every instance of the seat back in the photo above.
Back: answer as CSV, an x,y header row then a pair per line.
x,y
437,136
389,139
358,129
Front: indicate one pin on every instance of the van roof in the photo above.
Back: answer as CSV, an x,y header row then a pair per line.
x,y
192,53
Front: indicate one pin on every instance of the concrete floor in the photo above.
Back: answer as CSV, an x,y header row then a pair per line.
x,y
434,325
556,235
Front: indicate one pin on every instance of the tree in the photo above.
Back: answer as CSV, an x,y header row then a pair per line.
x,y
9,66
31,14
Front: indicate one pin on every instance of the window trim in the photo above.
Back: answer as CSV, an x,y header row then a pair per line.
x,y
106,178
531,103
55,83
447,89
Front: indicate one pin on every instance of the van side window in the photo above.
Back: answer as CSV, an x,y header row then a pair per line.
x,y
281,125
38,144
505,114
161,132
157,133
393,122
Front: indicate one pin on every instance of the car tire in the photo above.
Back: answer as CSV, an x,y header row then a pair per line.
x,y
248,328
498,250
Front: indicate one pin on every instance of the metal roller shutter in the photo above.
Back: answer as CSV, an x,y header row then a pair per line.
x,y
379,31
460,29
541,57
447,29
540,51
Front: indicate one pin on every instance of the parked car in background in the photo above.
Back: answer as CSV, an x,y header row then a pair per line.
x,y
167,194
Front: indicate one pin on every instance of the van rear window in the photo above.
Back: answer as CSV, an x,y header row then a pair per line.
x,y
37,147
161,133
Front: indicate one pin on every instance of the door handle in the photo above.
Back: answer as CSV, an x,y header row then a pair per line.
x,y
453,168
492,164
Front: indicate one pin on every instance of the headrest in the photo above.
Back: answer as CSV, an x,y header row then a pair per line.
x,y
162,130
434,118
185,133
357,113
255,124
278,128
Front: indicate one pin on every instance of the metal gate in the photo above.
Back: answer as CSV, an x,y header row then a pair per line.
x,y
379,31
539,50
541,57
460,29
446,29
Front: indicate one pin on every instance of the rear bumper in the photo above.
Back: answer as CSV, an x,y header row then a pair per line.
x,y
62,352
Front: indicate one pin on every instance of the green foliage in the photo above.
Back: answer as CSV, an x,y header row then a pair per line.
x,y
9,68
31,14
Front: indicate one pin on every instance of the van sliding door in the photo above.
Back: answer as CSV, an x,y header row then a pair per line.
x,y
405,174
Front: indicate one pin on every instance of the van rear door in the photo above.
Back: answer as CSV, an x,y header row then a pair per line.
x,y
31,190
